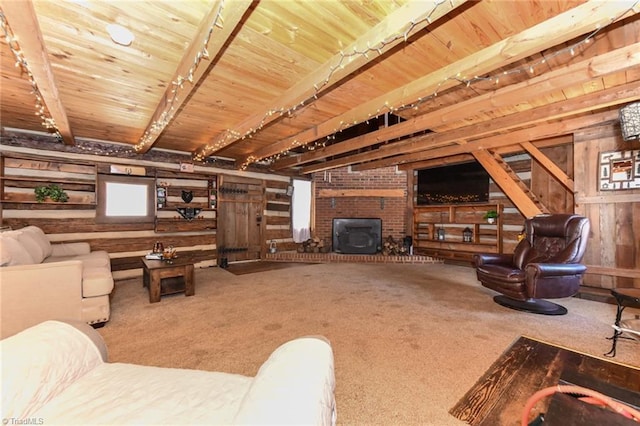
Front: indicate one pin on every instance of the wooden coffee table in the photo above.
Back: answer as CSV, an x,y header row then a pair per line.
x,y
164,277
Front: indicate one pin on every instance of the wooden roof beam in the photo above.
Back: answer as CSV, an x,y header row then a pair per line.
x,y
389,154
213,34
22,19
411,16
497,141
561,28
580,72
503,150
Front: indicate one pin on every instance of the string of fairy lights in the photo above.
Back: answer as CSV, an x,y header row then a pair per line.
x,y
41,110
530,68
157,126
231,135
345,57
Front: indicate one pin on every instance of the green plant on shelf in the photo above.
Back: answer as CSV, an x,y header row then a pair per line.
x,y
51,191
491,216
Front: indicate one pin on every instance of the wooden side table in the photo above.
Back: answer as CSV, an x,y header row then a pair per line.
x,y
624,297
164,277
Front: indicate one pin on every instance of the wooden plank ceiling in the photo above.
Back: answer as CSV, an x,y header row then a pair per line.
x,y
301,86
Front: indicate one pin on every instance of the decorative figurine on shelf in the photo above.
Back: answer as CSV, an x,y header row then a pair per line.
x,y
187,196
188,213
467,235
162,196
169,253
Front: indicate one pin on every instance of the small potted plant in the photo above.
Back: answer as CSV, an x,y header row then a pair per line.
x,y
51,191
491,216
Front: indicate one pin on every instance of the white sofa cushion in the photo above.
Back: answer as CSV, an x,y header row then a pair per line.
x,y
96,281
39,237
127,394
32,240
12,252
289,389
57,356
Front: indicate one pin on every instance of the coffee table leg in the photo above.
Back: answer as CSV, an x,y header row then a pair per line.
x,y
145,277
154,287
189,281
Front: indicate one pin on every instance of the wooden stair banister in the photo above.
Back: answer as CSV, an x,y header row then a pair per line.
x,y
513,187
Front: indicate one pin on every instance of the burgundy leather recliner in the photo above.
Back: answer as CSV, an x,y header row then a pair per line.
x,y
544,265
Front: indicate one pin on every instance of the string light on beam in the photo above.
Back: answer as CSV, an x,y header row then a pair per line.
x,y
41,110
156,127
457,77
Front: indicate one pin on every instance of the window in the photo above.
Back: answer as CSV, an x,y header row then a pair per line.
x,y
301,210
125,199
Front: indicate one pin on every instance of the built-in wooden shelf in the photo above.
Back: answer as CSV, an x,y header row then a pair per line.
x,y
454,219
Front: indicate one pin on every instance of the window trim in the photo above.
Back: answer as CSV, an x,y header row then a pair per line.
x,y
101,191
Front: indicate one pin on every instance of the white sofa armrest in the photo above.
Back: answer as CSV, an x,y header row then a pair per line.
x,y
295,386
70,249
41,362
30,294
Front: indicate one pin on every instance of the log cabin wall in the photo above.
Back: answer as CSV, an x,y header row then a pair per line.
x,y
613,251
125,243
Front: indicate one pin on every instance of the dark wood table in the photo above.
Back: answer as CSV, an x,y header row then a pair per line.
x,y
164,277
500,395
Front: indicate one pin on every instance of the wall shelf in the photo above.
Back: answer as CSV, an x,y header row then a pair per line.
x,y
19,176
173,185
454,219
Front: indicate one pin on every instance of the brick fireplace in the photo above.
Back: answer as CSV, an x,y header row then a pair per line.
x,y
367,203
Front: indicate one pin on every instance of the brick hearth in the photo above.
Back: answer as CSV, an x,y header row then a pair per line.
x,y
293,256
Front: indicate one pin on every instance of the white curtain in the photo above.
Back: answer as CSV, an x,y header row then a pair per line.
x,y
301,210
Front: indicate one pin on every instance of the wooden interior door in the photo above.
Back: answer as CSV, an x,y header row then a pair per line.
x,y
240,207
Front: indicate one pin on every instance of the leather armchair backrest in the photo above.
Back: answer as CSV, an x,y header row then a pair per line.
x,y
557,238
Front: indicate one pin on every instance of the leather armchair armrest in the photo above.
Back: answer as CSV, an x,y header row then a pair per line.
x,y
492,259
541,270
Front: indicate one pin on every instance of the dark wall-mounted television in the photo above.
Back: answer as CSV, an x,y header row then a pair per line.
x,y
453,184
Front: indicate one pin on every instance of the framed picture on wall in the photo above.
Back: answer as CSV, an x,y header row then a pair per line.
x,y
619,170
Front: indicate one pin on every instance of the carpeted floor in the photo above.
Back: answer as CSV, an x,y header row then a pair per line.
x,y
243,268
409,340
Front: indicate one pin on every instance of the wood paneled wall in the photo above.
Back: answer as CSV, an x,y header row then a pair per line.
x,y
613,251
126,243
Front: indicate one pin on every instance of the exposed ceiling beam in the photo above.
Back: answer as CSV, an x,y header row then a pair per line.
x,y
574,74
388,154
503,150
413,16
211,37
22,19
573,23
529,134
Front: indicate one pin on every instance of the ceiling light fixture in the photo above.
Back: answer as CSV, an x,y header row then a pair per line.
x,y
120,34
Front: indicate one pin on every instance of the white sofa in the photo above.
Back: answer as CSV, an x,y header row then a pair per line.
x,y
40,281
56,373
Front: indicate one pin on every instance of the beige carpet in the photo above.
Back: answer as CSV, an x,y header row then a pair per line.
x,y
409,340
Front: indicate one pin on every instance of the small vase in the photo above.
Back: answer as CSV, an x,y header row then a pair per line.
x,y
491,220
